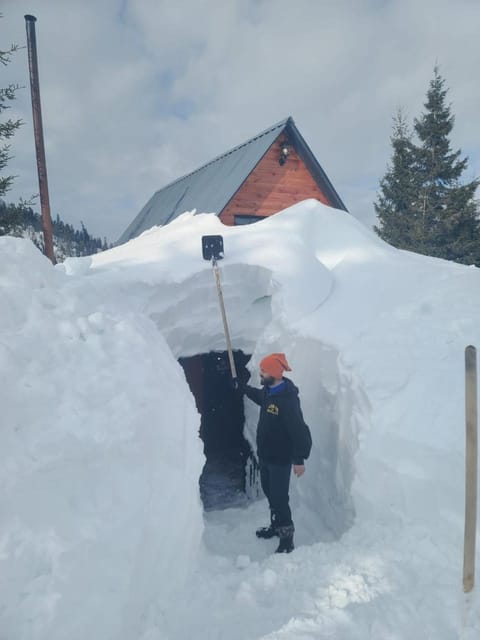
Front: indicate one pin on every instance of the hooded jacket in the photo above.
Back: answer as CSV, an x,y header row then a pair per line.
x,y
282,435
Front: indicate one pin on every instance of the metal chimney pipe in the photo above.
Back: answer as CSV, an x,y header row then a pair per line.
x,y
38,132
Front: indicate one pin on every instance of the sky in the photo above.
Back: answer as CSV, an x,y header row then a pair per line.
x,y
136,93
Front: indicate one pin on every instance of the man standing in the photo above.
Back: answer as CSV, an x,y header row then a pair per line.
x,y
283,440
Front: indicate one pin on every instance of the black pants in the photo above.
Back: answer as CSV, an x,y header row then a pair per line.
x,y
275,481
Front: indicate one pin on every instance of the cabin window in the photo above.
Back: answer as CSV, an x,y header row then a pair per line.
x,y
247,219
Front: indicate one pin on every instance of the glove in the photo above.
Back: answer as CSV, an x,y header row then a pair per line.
x,y
239,385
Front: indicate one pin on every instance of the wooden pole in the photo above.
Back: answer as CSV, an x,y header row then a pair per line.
x,y
224,319
471,461
38,132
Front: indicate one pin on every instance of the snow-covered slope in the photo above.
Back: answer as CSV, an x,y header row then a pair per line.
x,y
100,457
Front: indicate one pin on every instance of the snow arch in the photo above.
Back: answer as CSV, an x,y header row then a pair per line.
x,y
188,316
334,405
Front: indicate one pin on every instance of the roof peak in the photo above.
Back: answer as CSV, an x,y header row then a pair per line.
x,y
279,125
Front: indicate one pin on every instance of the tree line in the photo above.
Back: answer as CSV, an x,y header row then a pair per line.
x,y
21,220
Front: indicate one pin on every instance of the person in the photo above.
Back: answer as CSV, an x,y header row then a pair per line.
x,y
283,441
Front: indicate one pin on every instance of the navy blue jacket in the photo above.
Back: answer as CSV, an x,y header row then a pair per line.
x,y
282,435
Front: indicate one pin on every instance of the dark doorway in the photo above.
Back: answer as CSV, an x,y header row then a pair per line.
x,y
222,483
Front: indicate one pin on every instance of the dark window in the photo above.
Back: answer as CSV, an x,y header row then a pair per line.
x,y
246,219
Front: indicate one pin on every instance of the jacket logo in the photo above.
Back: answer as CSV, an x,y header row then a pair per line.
x,y
272,408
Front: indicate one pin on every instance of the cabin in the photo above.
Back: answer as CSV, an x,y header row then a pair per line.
x,y
270,172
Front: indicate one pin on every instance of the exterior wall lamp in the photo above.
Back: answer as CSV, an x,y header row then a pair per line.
x,y
284,153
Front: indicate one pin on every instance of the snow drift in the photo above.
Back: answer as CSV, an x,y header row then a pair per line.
x,y
98,489
100,457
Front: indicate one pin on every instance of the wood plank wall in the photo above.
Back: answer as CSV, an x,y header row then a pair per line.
x,y
272,187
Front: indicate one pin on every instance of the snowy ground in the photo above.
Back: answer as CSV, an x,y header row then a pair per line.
x,y
369,584
103,533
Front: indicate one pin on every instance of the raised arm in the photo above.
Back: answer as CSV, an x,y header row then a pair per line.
x,y
255,395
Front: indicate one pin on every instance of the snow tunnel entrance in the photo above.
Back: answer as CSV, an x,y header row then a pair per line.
x,y
223,479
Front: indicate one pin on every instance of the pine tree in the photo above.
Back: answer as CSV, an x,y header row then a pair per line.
x,y
449,212
7,127
21,220
396,207
11,220
422,205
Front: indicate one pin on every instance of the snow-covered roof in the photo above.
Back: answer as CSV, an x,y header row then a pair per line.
x,y
212,186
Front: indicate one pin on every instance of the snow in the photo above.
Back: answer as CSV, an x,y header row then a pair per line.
x,y
103,532
88,399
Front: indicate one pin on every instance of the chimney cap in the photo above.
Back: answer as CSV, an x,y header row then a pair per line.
x,y
30,18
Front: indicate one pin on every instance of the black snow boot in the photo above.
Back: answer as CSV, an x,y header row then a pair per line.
x,y
286,539
266,532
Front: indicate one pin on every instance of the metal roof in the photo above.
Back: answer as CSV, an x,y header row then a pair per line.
x,y
212,186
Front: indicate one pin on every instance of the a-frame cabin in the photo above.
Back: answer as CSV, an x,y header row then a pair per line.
x,y
260,177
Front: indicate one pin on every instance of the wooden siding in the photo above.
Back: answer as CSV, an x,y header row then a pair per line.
x,y
272,187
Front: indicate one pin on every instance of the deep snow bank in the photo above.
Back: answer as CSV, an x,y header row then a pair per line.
x,y
99,512
272,279
375,337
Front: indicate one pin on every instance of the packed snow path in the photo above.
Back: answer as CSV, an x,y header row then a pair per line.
x,y
357,588
103,532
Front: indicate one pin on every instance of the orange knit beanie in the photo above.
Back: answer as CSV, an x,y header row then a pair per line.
x,y
275,364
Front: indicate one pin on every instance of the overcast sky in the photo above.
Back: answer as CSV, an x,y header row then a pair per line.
x,y
136,93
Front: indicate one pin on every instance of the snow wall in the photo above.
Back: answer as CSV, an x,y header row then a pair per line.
x,y
100,512
375,338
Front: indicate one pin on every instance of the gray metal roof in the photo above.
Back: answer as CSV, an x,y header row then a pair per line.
x,y
212,186
207,189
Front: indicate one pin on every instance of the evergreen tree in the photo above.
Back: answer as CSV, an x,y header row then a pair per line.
x,y
11,220
7,127
448,209
422,205
20,220
396,207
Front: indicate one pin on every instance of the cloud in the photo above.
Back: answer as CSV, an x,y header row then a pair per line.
x,y
137,93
